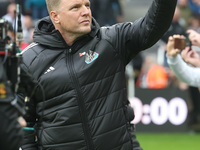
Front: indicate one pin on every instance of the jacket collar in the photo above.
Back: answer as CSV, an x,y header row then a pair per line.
x,y
45,34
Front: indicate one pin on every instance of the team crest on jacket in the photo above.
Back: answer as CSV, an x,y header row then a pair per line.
x,y
90,56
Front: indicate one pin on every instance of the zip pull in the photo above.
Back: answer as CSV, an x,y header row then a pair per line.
x,y
70,50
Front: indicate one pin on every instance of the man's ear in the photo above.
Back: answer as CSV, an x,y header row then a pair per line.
x,y
54,17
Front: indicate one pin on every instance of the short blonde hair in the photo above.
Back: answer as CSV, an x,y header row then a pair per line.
x,y
52,5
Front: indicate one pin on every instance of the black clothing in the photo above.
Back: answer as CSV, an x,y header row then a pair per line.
x,y
104,12
85,104
3,7
175,28
11,133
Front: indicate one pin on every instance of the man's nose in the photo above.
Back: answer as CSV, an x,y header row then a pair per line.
x,y
85,10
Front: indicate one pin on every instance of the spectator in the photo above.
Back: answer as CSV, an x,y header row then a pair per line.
x,y
180,67
27,30
194,6
157,77
136,63
37,9
10,16
194,22
3,7
185,13
106,12
153,75
186,73
175,28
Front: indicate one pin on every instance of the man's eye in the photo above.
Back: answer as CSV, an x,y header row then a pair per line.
x,y
75,7
87,5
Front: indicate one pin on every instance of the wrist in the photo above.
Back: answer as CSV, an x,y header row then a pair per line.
x,y
173,60
198,64
171,55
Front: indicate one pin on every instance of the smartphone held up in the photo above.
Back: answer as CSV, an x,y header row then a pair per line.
x,y
181,43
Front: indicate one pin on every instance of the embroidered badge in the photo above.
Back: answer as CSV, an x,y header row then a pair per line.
x,y
89,56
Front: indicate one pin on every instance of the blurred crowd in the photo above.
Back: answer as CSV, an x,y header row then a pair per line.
x,y
31,11
154,71
150,71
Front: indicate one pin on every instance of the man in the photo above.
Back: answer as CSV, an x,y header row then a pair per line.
x,y
189,74
10,16
80,102
37,9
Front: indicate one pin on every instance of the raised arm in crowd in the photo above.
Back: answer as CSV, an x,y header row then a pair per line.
x,y
186,63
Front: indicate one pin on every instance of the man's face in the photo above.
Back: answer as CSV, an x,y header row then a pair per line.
x,y
74,17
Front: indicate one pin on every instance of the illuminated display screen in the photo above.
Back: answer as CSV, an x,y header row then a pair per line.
x,y
160,109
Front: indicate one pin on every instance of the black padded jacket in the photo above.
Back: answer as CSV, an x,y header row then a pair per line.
x,y
85,101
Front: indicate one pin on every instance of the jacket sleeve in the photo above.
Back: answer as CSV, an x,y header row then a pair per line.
x,y
29,141
184,72
132,37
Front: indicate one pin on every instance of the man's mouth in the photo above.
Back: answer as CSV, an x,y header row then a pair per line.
x,y
85,21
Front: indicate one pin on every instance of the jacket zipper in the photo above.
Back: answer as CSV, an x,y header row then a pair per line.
x,y
81,105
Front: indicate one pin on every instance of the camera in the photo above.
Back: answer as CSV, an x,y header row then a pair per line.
x,y
8,55
6,44
3,34
10,62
